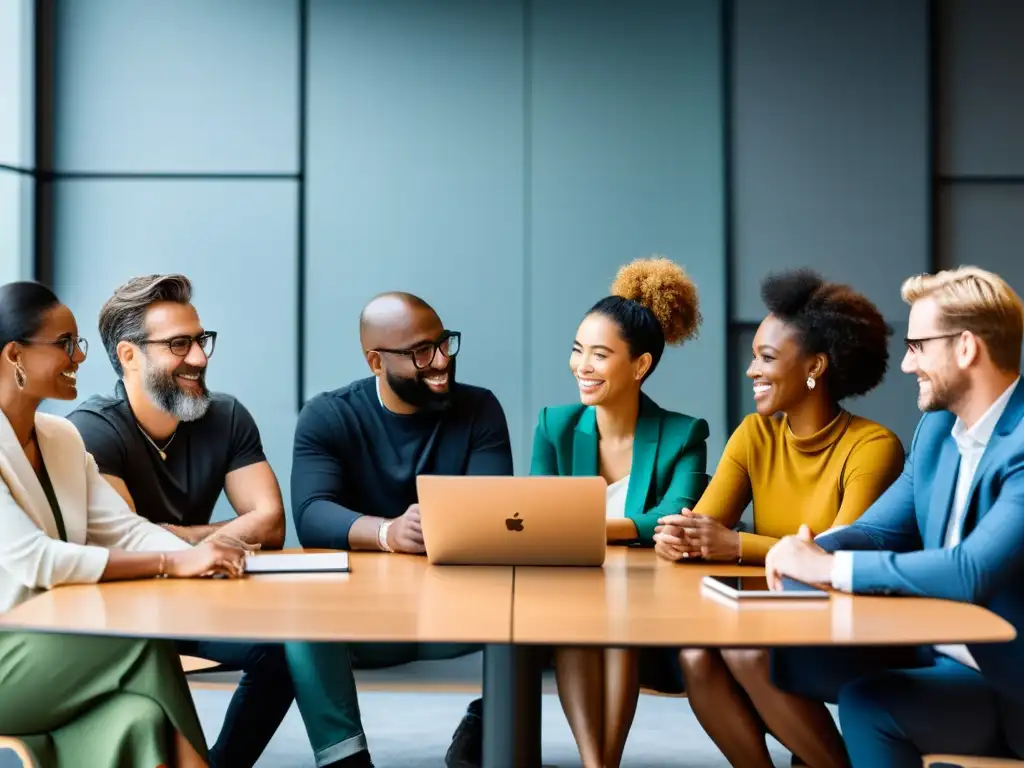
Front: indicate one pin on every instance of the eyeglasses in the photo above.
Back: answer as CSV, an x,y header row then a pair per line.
x,y
423,354
182,345
916,345
67,343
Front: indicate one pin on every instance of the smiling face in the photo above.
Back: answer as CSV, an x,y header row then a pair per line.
x,y
175,383
419,367
780,367
602,364
50,372
931,357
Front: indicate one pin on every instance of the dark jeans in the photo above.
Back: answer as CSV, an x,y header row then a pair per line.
x,y
327,696
260,701
897,704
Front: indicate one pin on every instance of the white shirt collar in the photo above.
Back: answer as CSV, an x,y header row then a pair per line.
x,y
981,432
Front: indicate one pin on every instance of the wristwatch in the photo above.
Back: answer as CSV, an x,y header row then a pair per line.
x,y
382,536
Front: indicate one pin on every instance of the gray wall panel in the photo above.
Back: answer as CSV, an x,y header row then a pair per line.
x,y
416,181
831,151
16,199
626,138
983,225
981,89
184,86
894,402
742,341
16,83
980,124
235,240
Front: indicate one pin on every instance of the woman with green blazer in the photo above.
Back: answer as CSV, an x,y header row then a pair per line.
x,y
653,460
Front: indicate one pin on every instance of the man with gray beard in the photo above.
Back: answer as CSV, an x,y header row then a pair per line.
x,y
169,446
166,443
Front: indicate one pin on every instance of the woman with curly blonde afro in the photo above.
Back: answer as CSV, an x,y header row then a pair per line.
x,y
653,460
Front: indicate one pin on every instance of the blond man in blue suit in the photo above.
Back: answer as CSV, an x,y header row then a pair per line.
x,y
653,460
950,527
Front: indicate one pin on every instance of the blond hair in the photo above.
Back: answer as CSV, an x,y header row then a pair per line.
x,y
667,291
972,299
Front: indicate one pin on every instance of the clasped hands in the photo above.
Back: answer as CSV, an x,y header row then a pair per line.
x,y
688,535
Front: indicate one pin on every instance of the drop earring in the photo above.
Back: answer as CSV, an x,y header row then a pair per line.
x,y
19,376
811,382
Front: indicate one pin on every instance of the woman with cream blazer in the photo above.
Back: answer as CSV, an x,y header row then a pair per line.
x,y
39,550
75,700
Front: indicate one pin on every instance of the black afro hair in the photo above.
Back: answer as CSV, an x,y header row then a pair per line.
x,y
836,321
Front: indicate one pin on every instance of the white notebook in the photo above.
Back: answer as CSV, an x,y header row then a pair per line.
x,y
313,562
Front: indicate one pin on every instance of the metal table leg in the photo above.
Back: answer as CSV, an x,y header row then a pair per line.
x,y
512,707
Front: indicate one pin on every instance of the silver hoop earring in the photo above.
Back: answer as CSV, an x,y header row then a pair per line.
x,y
811,382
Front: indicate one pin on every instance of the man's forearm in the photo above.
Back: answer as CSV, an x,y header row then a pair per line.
x,y
194,534
257,527
363,533
263,527
324,524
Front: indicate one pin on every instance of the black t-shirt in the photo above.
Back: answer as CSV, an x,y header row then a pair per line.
x,y
354,457
183,489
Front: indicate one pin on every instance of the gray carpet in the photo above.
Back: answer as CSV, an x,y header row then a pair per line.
x,y
412,730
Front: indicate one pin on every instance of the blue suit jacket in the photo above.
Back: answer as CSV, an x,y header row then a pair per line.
x,y
899,539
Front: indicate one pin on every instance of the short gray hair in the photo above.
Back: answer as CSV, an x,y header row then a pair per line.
x,y
123,316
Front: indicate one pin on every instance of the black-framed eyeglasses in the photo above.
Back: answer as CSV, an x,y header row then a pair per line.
x,y
423,354
916,345
182,345
67,343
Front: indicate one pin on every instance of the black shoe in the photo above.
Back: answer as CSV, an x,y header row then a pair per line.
x,y
467,747
358,760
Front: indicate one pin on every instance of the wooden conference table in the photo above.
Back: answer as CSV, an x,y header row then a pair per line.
x,y
635,599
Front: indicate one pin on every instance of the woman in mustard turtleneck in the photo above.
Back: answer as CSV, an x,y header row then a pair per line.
x,y
803,460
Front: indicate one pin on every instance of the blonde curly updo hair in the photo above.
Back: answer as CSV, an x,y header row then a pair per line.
x,y
663,287
654,302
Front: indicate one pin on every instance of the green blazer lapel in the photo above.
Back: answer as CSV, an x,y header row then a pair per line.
x,y
584,445
645,452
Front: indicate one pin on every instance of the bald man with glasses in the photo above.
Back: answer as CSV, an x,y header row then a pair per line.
x,y
358,451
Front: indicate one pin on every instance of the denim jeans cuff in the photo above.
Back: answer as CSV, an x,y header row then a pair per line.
x,y
341,750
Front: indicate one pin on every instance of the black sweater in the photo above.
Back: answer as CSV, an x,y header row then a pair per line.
x,y
353,457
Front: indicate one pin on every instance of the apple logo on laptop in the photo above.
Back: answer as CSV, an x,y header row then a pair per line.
x,y
514,523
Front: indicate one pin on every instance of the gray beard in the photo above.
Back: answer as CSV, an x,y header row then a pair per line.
x,y
170,398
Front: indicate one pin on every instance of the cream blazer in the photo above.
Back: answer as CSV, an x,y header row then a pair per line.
x,y
96,519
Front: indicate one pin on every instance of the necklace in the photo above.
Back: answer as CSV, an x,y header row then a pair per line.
x,y
161,451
